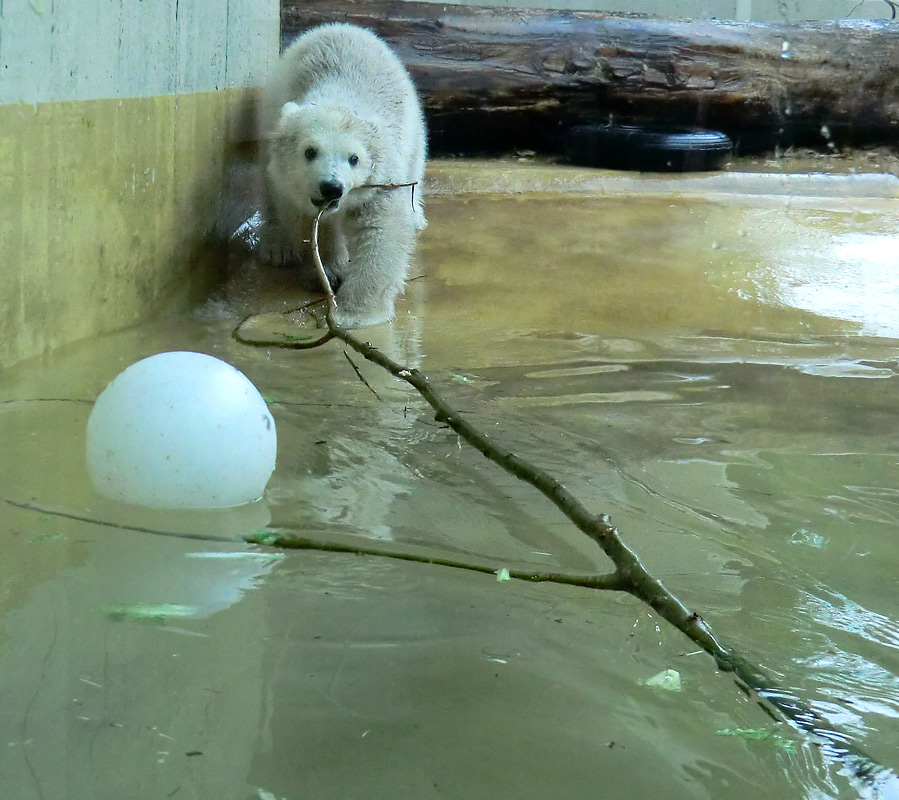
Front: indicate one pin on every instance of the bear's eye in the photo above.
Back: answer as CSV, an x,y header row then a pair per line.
x,y
353,159
310,153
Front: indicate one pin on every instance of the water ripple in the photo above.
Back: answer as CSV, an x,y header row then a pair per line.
x,y
844,614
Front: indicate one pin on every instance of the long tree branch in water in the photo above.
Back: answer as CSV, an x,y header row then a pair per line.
x,y
629,574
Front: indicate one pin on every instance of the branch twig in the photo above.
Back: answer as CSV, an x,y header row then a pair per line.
x,y
282,536
411,184
361,377
57,512
320,268
629,574
283,343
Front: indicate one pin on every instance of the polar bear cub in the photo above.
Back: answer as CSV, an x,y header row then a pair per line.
x,y
339,113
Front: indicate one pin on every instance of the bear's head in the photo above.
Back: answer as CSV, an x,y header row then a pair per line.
x,y
319,154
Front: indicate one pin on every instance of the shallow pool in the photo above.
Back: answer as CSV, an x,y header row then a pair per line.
x,y
719,374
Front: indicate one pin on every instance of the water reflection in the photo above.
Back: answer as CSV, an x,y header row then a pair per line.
x,y
844,614
852,276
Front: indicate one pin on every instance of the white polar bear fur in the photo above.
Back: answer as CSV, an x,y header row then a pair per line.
x,y
341,94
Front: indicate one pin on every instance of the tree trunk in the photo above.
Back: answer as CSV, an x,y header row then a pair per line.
x,y
504,79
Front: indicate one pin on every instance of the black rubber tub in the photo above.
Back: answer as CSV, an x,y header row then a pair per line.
x,y
647,149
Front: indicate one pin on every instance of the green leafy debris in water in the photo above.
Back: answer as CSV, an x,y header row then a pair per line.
x,y
263,536
761,735
150,611
49,537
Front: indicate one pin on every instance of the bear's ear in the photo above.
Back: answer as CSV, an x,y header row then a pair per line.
x,y
290,109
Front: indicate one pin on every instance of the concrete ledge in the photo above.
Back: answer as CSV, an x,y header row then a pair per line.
x,y
462,176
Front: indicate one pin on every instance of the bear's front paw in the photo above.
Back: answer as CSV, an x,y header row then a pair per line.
x,y
273,251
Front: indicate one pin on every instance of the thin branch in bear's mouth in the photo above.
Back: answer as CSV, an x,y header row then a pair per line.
x,y
316,254
413,184
388,185
320,267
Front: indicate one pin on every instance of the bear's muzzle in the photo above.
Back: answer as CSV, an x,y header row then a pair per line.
x,y
329,192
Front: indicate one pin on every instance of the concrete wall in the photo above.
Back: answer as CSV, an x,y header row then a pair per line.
x,y
54,50
115,121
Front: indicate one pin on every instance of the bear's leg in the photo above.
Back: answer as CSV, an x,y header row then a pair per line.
x,y
288,245
417,159
282,229
275,247
339,252
380,249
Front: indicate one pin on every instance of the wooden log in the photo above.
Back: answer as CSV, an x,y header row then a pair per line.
x,y
501,78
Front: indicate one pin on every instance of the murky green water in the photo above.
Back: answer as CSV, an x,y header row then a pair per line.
x,y
719,377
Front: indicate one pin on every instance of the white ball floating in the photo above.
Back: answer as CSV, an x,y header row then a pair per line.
x,y
181,430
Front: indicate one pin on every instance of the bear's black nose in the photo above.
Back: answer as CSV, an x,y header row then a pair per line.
x,y
330,190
